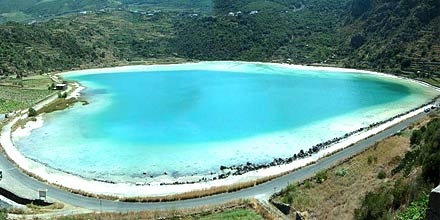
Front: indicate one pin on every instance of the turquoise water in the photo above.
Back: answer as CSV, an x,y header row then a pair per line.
x,y
184,120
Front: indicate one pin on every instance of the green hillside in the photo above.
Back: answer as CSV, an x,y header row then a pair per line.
x,y
390,36
394,36
30,10
92,39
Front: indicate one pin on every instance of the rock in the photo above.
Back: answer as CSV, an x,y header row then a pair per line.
x,y
299,216
433,210
284,208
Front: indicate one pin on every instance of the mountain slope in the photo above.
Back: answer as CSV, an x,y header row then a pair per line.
x,y
396,36
28,10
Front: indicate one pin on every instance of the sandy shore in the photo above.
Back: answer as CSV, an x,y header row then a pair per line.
x,y
155,189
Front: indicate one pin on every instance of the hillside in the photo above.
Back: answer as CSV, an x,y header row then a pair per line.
x,y
389,36
40,10
86,40
394,36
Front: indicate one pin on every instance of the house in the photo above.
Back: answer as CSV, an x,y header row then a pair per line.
x,y
60,86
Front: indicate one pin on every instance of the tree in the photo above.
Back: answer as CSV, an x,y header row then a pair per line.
x,y
405,63
359,7
416,137
431,168
357,41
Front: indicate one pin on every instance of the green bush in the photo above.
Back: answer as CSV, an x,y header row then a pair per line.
x,y
381,174
401,193
3,214
341,172
62,95
431,168
376,205
416,210
321,176
416,137
408,163
292,187
289,193
32,112
288,198
308,184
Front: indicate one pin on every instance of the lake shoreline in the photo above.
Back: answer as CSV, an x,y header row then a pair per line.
x,y
247,172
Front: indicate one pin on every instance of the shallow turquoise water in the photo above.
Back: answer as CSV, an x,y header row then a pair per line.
x,y
184,121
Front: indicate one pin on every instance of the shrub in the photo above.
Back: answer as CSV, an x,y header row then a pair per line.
x,y
321,176
416,137
292,187
288,199
431,168
381,174
400,192
32,112
371,159
3,214
341,172
375,206
62,95
416,210
408,163
307,184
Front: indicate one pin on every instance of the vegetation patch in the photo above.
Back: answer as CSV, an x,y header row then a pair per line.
x,y
242,209
58,105
374,184
16,94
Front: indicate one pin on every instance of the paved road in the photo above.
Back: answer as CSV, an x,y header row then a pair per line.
x,y
262,190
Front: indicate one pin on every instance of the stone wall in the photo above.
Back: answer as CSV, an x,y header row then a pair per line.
x,y
433,210
21,200
284,208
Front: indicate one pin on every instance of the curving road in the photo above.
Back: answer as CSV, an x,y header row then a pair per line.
x,y
263,190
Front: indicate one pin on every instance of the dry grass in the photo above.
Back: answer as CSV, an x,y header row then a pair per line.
x,y
249,209
337,197
175,197
340,195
